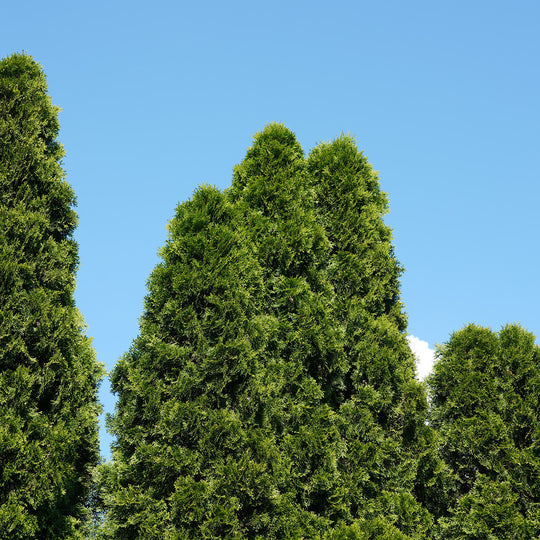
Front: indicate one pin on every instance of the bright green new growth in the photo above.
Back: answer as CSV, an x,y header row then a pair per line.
x,y
486,406
48,372
271,391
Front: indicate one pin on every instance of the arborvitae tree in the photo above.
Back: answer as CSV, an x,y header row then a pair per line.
x,y
245,408
48,373
380,404
486,406
196,453
306,349
229,308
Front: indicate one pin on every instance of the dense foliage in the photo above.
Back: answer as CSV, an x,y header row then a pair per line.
x,y
486,407
381,405
271,391
48,372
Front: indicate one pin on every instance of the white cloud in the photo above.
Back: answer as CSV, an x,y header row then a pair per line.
x,y
424,356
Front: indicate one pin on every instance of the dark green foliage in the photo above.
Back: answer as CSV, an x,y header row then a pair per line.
x,y
272,190
271,391
351,205
380,404
486,406
48,372
205,392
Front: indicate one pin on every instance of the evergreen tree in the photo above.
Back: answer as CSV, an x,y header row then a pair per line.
x,y
380,404
486,406
246,410
272,188
48,372
222,341
196,452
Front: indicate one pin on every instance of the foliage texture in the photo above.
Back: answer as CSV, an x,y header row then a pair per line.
x,y
271,392
48,372
486,406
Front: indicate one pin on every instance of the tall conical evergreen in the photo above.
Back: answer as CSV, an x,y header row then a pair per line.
x,y
221,307
486,406
48,372
245,407
362,269
380,404
272,187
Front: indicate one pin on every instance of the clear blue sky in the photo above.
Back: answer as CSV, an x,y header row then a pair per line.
x,y
443,97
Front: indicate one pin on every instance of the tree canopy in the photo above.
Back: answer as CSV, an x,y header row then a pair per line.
x,y
486,408
239,402
271,392
48,372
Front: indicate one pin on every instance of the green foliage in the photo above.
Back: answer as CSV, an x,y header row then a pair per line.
x,y
48,372
381,406
271,392
486,406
